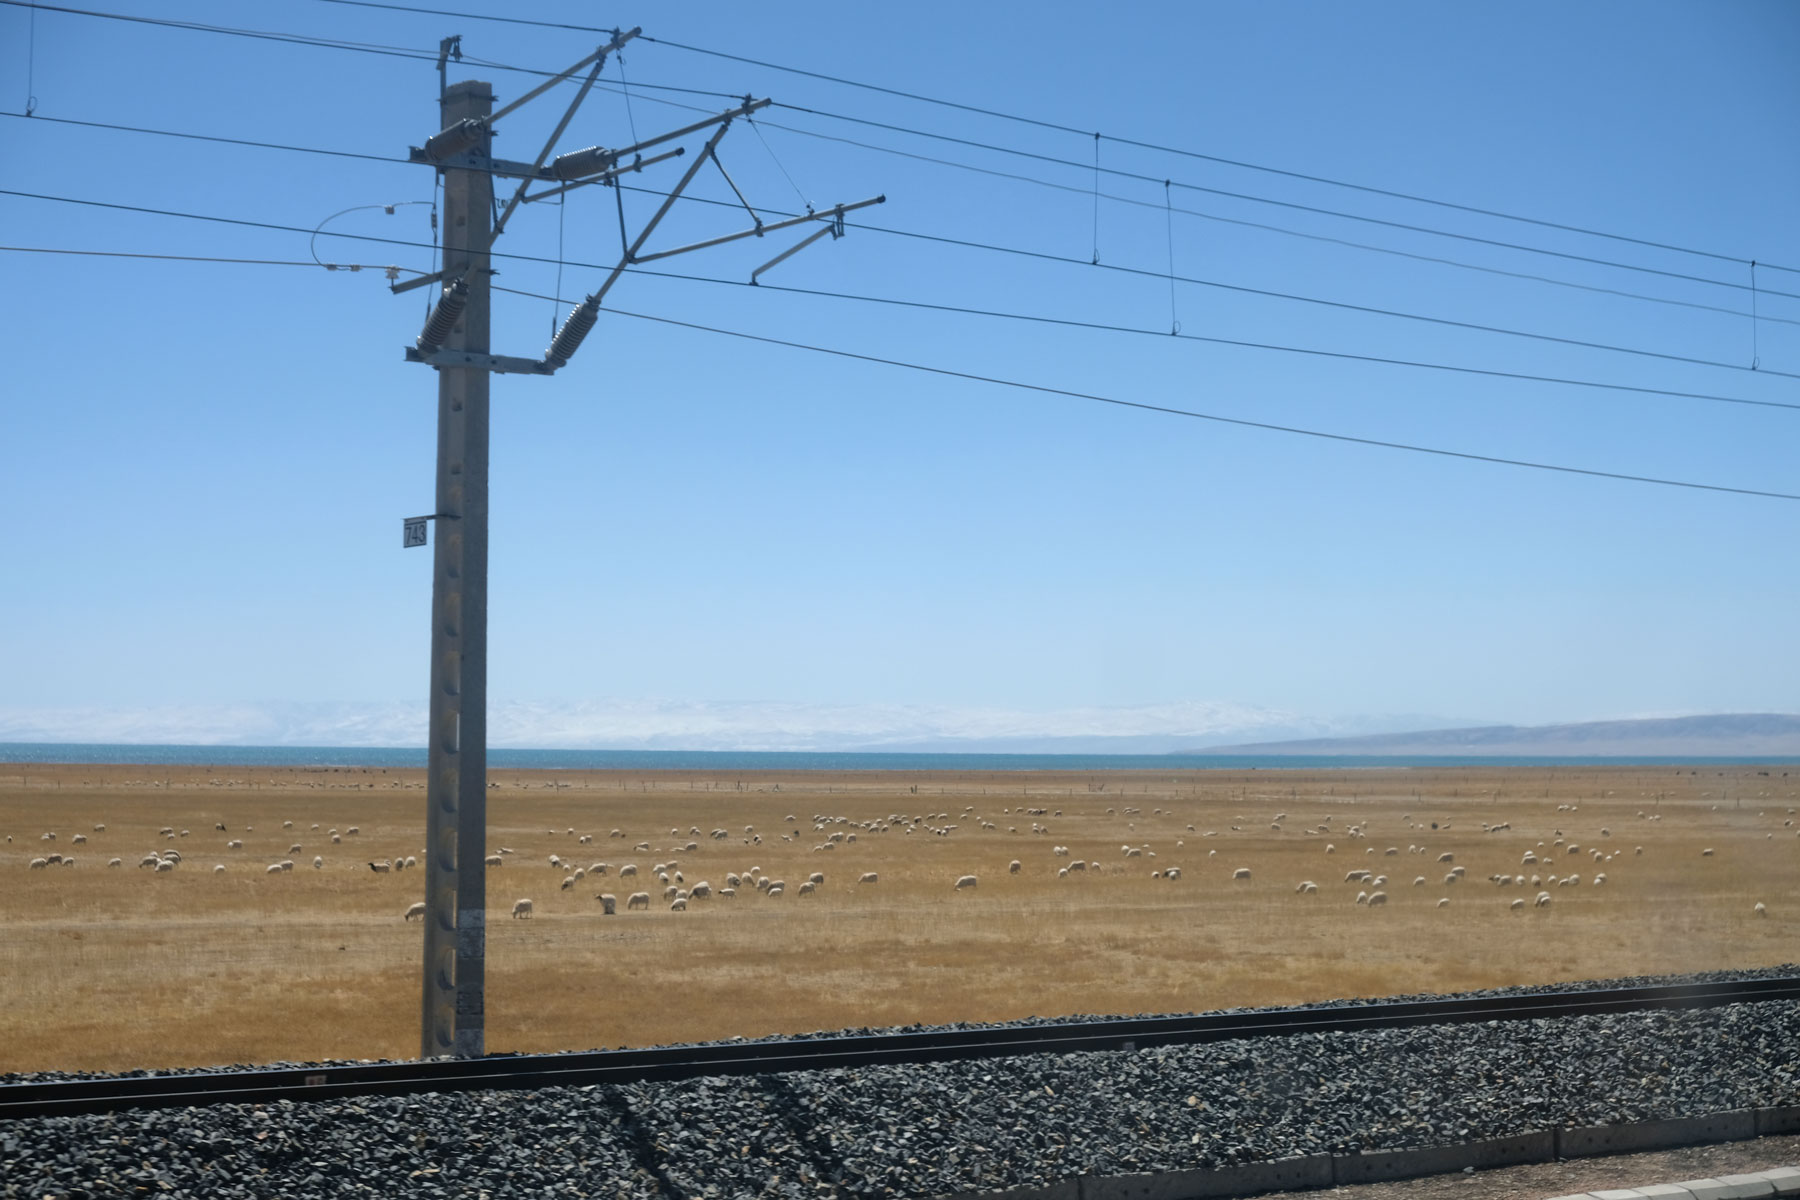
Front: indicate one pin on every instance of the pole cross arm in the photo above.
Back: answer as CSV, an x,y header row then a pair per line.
x,y
499,364
835,215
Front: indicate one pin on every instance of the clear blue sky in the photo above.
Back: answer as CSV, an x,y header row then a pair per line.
x,y
205,464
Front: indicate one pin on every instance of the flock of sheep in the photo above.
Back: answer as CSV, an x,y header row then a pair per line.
x,y
1557,861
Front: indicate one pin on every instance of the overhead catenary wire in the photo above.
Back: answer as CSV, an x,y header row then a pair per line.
x,y
1037,122
965,310
244,222
325,43
1177,209
1110,266
1169,410
1318,210
427,56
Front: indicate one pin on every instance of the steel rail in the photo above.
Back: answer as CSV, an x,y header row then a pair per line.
x,y
512,1072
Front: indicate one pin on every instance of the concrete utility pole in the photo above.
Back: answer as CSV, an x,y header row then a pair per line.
x,y
453,1014
453,1018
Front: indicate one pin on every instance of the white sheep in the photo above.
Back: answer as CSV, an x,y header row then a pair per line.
x,y
1761,909
39,864
1241,873
234,844
1517,905
808,888
273,869
967,881
638,900
219,869
115,862
609,903
568,882
1542,901
318,863
521,909
1013,867
493,860
1377,899
1444,902
1446,856
416,910
817,879
679,904
868,877
775,889
627,869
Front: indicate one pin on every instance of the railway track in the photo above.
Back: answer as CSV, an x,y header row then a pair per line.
x,y
73,1096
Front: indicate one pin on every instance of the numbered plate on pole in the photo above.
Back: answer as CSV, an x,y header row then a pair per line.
x,y
412,531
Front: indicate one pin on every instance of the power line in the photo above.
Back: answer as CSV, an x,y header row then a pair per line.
x,y
1102,327
1244,196
208,258
1033,254
323,43
963,310
1620,292
988,147
1194,154
1178,412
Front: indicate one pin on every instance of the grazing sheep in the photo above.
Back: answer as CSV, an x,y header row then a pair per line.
x,y
1330,849
568,882
775,889
274,869
599,869
1451,878
1446,856
1517,905
1761,909
1599,879
1419,881
412,862
1359,877
1706,853
234,844
638,900
679,904
115,862
609,903
353,831
808,888
80,839
1377,899
967,881
287,864
817,879
868,877
416,910
100,829
701,890
38,864
670,892
627,869
1542,901
1013,867
493,860
1241,873
294,849
219,869
521,908
382,867
727,893
1362,897
1444,902
1171,873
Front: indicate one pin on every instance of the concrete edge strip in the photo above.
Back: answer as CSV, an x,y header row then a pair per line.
x,y
1330,1170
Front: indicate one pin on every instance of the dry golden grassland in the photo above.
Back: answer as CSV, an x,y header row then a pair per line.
x,y
116,968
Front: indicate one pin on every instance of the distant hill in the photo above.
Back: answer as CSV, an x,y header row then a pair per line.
x,y
1727,735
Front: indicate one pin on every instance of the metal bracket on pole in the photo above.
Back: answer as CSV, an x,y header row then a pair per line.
x,y
499,364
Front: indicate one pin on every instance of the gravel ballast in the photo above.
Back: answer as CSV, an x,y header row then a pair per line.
x,y
940,1129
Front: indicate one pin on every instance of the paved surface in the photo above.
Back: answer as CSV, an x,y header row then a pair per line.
x,y
1539,1181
